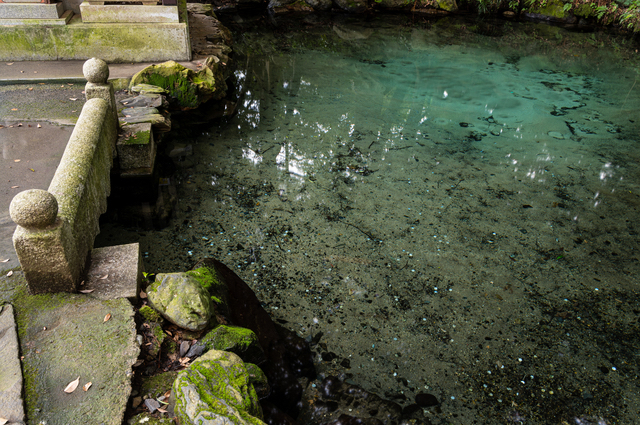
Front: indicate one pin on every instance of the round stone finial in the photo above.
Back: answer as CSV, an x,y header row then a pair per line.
x,y
96,71
34,208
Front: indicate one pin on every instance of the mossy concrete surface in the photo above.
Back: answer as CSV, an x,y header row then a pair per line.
x,y
124,42
63,337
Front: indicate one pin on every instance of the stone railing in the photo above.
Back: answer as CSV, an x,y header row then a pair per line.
x,y
56,228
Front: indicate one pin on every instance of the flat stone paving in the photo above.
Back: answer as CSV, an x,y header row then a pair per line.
x,y
68,336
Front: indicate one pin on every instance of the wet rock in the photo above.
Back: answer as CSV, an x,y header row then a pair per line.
x,y
189,88
216,388
182,300
240,341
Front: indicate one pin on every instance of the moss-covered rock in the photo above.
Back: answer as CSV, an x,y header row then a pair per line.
x,y
182,300
188,87
240,341
209,280
258,379
551,10
150,315
448,5
216,388
157,385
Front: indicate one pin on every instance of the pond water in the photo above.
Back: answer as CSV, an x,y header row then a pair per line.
x,y
451,205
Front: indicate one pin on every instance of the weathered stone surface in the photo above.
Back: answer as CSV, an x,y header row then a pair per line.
x,y
11,407
31,11
182,300
158,121
115,272
34,208
63,337
240,341
150,100
96,71
113,42
216,389
126,13
136,147
188,87
147,89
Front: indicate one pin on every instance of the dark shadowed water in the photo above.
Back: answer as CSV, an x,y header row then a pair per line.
x,y
453,205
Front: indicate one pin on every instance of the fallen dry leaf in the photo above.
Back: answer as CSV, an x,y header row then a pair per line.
x,y
143,294
160,409
10,273
107,317
71,387
86,291
14,109
39,126
3,420
72,98
104,277
10,63
14,187
86,386
82,283
30,88
16,160
4,261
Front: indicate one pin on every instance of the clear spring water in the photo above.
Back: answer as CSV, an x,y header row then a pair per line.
x,y
454,205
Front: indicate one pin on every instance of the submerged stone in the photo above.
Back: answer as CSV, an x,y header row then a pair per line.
x,y
181,300
216,388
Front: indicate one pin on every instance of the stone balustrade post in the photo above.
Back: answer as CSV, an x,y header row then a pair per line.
x,y
42,241
96,71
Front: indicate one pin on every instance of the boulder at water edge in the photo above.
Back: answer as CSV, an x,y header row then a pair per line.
x,y
182,300
217,389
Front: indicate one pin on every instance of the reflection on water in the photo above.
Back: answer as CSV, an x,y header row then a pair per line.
x,y
457,214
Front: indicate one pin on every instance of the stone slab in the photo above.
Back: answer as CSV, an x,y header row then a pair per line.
x,y
136,147
63,20
114,43
114,272
11,406
64,337
31,11
124,13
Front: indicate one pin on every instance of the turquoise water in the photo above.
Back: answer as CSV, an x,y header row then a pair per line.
x,y
453,205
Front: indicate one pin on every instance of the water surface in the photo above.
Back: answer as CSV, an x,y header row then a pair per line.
x,y
453,205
